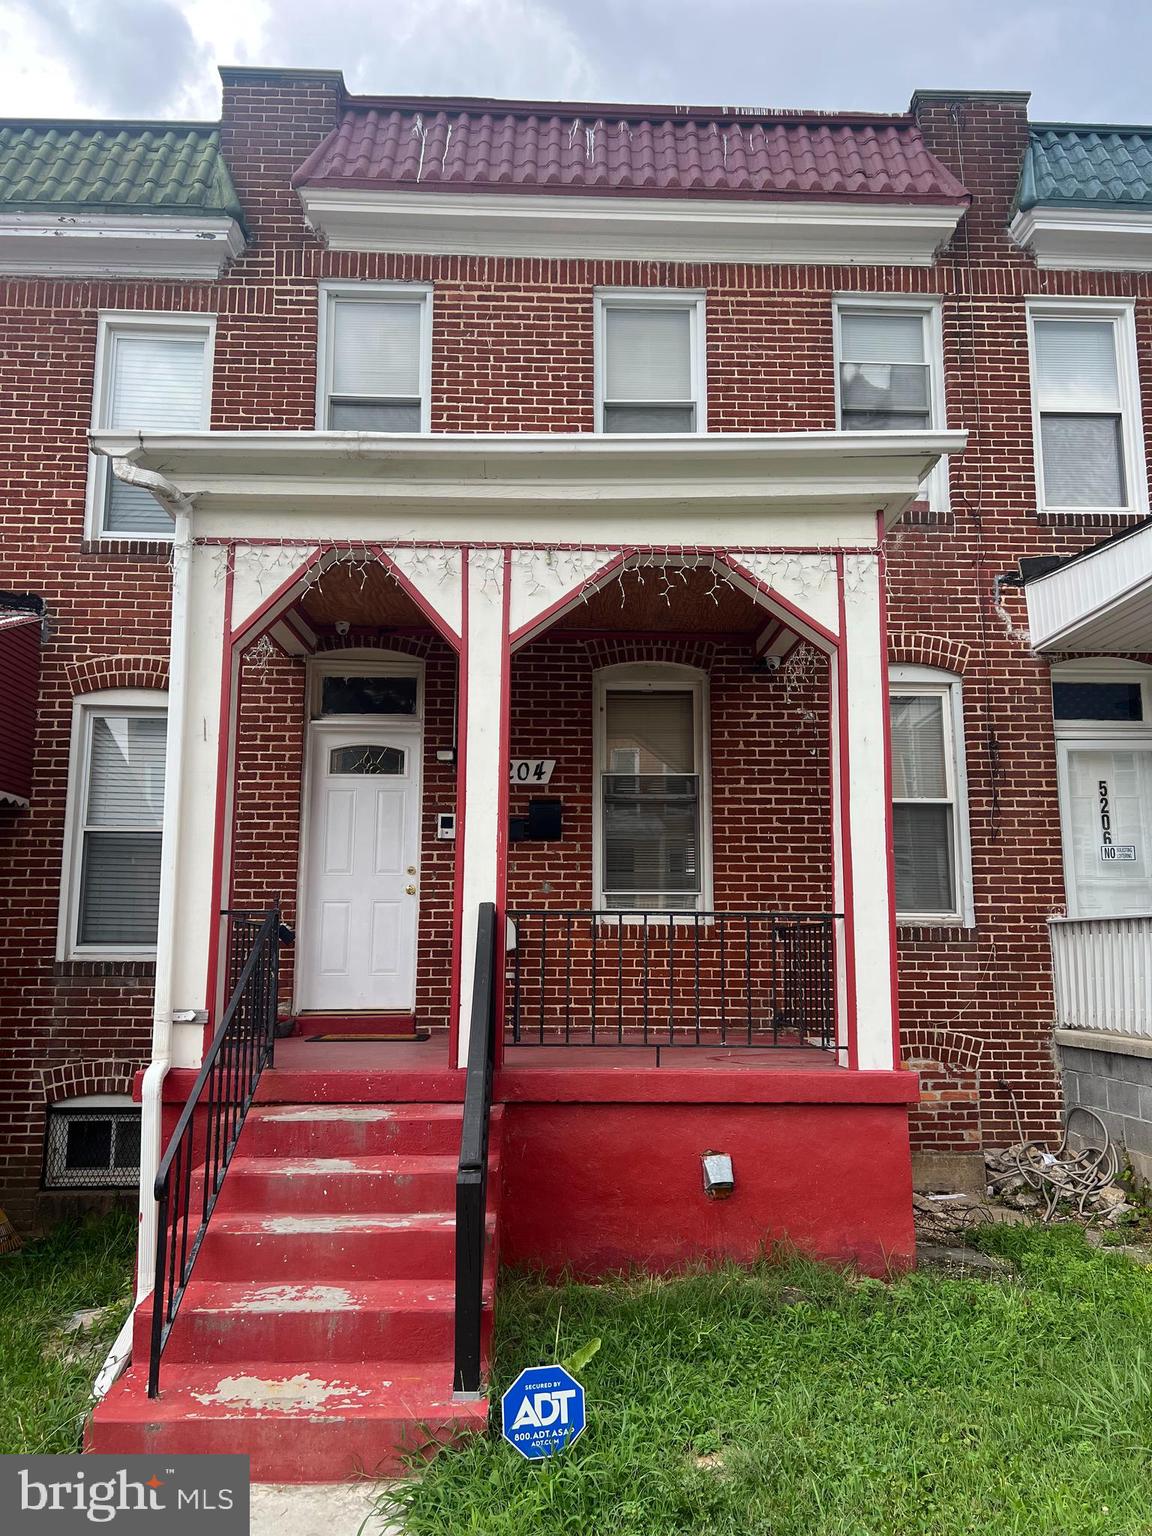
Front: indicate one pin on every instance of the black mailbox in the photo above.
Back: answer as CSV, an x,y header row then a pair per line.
x,y
545,821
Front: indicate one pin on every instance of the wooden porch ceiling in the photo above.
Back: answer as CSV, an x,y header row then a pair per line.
x,y
366,597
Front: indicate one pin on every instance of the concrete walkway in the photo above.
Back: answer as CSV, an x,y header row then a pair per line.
x,y
317,1509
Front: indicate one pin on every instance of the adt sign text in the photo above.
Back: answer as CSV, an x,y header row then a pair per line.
x,y
543,1411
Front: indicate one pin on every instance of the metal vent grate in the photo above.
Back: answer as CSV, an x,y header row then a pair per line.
x,y
92,1149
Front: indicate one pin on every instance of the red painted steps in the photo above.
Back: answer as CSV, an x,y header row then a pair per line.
x,y
316,1332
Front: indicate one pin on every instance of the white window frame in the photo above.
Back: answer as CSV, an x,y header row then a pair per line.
x,y
142,702
655,298
652,677
1122,314
917,681
332,293
930,311
110,324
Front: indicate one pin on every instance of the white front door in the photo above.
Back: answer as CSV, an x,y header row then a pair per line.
x,y
1106,791
357,942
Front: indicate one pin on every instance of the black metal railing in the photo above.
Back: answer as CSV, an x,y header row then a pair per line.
x,y
644,978
201,1147
472,1171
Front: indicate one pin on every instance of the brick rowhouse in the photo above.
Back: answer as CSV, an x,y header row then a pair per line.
x,y
512,350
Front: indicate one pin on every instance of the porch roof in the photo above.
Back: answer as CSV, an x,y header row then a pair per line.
x,y
477,473
1099,600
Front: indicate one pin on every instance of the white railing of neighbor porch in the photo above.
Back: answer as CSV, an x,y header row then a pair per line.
x,y
1103,973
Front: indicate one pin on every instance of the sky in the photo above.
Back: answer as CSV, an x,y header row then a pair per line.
x,y
158,58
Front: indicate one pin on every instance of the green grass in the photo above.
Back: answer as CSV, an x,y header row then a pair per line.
x,y
1014,1407
46,1377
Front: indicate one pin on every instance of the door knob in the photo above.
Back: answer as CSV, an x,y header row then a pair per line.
x,y
411,889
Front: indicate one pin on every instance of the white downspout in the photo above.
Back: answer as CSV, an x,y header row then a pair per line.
x,y
179,507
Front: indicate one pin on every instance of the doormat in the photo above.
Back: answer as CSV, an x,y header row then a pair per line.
x,y
367,1039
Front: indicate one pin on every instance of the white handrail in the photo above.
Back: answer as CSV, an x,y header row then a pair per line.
x,y
1102,969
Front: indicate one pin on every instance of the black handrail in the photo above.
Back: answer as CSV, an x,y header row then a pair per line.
x,y
472,1170
224,1088
666,979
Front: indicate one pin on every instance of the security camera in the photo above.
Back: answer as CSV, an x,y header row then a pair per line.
x,y
771,663
342,627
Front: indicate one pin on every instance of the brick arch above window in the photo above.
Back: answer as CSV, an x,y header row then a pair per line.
x,y
908,648
407,645
610,652
951,1049
95,674
79,1079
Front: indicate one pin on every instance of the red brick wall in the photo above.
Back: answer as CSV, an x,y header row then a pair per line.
x,y
512,350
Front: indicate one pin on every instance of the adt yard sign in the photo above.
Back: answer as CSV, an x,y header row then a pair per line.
x,y
543,1411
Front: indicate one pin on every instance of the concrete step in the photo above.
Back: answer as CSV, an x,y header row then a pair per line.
x,y
354,1320
298,1423
353,1130
314,1247
376,1183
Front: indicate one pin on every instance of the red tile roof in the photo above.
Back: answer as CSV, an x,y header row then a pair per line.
x,y
483,146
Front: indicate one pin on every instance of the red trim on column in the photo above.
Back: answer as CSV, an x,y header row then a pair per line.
x,y
438,622
806,621
461,810
549,615
889,824
503,799
846,821
223,754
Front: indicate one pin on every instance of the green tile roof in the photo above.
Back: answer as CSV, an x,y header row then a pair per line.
x,y
1091,167
115,167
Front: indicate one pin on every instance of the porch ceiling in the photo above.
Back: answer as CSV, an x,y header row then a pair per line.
x,y
692,603
364,596
536,474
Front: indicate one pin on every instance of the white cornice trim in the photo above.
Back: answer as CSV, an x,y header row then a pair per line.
x,y
1086,239
630,228
480,473
118,245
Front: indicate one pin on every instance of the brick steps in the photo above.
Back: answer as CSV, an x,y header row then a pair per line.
x,y
316,1333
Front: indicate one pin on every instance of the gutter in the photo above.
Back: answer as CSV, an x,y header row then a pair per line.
x,y
179,507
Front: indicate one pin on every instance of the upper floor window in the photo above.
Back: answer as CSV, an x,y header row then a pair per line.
x,y
929,797
890,372
375,358
1085,408
650,362
111,887
153,374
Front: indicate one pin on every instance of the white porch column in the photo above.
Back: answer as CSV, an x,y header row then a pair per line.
x,y
483,749
865,811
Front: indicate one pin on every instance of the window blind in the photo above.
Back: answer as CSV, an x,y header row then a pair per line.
x,y
922,839
1081,431
156,384
651,801
1076,365
923,825
919,768
121,854
376,349
649,354
653,731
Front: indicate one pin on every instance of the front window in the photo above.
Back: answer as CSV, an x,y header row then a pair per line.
x,y
153,375
119,809
929,822
1088,448
649,363
652,855
890,373
374,368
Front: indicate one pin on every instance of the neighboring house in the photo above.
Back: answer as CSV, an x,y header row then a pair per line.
x,y
563,562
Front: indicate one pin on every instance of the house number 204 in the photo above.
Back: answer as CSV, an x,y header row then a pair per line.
x,y
531,770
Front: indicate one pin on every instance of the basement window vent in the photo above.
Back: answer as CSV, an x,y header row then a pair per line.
x,y
92,1143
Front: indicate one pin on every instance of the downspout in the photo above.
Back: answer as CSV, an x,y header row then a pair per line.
x,y
179,507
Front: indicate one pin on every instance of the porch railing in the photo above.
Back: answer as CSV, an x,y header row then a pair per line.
x,y
201,1147
472,1170
643,978
1102,969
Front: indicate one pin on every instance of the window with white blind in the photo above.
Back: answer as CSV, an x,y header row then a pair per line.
x,y
1085,408
153,374
375,358
929,797
650,363
890,373
111,889
651,831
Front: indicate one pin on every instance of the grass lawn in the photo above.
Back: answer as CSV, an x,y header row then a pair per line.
x,y
46,1375
798,1402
